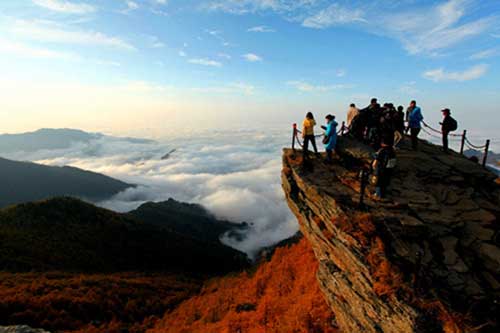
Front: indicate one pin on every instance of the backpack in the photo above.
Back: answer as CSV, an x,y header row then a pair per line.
x,y
453,125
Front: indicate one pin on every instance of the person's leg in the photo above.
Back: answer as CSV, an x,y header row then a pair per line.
x,y
306,146
329,154
313,142
397,138
378,191
414,138
417,132
445,142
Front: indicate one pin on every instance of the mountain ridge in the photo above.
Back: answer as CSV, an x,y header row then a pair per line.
x,y
71,235
53,138
27,181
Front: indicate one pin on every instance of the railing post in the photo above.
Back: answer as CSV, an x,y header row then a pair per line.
x,y
486,148
463,142
294,134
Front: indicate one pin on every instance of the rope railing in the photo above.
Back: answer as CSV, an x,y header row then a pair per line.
x,y
470,144
429,130
465,141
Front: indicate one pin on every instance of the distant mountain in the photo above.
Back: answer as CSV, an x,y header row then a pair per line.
x,y
190,219
67,234
25,181
493,158
48,138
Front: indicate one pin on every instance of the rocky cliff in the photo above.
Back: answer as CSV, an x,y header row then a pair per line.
x,y
426,259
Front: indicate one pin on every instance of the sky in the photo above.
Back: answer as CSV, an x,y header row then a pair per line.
x,y
148,67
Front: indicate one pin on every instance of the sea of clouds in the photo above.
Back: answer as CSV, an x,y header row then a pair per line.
x,y
234,174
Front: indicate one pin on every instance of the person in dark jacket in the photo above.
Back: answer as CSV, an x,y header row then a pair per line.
x,y
374,114
399,125
386,128
383,166
447,125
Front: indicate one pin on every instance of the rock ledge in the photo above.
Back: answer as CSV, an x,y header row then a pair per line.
x,y
427,259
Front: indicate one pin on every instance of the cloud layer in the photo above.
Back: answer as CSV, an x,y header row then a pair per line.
x,y
438,75
236,175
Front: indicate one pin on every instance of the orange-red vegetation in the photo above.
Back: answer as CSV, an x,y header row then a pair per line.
x,y
113,303
389,281
282,295
497,180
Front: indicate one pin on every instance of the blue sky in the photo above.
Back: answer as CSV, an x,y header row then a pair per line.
x,y
122,66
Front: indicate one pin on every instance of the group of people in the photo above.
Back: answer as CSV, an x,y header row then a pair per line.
x,y
377,123
329,139
383,128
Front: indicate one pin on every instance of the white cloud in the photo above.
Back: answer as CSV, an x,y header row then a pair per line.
x,y
233,88
430,29
108,63
234,174
205,62
131,5
439,75
26,51
155,42
260,28
485,54
182,53
224,55
341,72
252,6
424,29
308,87
335,14
160,2
252,57
66,6
56,33
409,88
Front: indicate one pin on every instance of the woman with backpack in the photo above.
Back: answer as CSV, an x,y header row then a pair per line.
x,y
447,125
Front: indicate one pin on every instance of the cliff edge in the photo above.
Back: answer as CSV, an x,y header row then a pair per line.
x,y
426,259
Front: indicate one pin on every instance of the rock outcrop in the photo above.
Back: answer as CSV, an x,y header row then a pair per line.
x,y
426,259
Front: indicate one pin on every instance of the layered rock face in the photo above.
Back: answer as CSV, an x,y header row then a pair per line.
x,y
426,259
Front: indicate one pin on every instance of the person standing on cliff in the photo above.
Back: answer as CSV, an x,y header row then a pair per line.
x,y
330,139
447,125
399,125
414,123
351,114
374,112
308,134
383,166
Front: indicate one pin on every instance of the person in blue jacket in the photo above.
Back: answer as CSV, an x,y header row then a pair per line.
x,y
330,139
414,119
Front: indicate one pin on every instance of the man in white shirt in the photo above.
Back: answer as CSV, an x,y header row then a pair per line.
x,y
353,112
